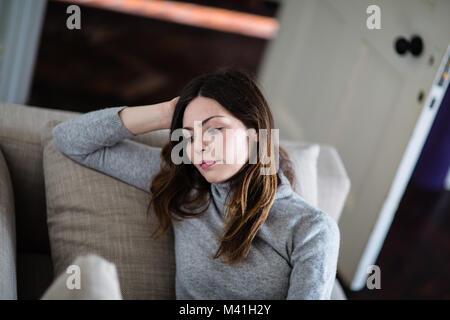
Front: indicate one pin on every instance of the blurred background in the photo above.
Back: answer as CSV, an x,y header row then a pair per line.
x,y
378,95
127,58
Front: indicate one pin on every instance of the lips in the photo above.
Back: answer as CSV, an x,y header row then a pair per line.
x,y
206,164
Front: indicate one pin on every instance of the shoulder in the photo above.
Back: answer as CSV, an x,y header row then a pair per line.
x,y
304,224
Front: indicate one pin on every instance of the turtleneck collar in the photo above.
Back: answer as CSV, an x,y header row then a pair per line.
x,y
220,190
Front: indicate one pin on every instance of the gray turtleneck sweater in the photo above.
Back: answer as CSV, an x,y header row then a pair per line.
x,y
293,256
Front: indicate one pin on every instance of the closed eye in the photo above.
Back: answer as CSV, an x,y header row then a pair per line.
x,y
216,129
190,139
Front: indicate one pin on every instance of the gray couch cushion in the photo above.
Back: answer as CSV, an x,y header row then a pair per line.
x,y
90,212
20,128
8,288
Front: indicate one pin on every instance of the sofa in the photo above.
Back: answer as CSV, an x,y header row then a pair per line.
x,y
38,241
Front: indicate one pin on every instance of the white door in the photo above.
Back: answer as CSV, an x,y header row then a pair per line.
x,y
332,80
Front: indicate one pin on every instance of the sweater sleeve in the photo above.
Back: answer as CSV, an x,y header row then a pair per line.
x,y
99,140
314,258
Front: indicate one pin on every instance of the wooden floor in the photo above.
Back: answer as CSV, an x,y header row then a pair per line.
x,y
118,59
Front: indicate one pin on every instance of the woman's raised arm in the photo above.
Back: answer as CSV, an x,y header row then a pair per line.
x,y
98,140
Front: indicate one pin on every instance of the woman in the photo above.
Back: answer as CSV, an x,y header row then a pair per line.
x,y
240,232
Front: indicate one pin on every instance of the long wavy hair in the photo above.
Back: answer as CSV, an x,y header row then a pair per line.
x,y
180,192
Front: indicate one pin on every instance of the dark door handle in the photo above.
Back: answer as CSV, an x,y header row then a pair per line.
x,y
415,45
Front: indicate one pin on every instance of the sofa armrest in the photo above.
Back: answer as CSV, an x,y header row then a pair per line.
x,y
8,283
333,186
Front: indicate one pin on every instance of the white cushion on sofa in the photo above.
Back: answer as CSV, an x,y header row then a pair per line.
x,y
96,277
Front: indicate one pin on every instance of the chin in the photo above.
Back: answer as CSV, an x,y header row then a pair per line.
x,y
212,178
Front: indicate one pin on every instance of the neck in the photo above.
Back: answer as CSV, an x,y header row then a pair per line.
x,y
221,189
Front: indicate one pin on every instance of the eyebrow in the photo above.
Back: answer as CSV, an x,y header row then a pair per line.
x,y
203,122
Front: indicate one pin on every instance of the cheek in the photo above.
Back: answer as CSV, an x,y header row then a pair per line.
x,y
190,152
237,148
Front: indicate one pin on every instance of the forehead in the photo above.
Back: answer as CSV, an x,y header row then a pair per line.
x,y
201,108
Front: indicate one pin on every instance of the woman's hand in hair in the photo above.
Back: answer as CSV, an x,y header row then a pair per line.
x,y
143,119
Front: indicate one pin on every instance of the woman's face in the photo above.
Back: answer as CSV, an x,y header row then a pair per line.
x,y
215,137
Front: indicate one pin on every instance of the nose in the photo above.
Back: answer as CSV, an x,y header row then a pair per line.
x,y
200,147
206,147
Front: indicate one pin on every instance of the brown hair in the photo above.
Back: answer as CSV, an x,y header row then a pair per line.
x,y
253,194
